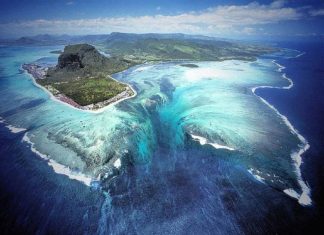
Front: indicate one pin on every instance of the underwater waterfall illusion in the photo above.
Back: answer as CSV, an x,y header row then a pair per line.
x,y
215,105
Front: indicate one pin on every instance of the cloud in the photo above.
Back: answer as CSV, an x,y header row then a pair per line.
x,y
220,20
278,3
248,30
319,12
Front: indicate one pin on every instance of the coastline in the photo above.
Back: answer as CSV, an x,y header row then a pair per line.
x,y
57,167
304,198
72,104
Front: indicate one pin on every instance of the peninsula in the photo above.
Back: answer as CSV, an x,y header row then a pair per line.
x,y
82,78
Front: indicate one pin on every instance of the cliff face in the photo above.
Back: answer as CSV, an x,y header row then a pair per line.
x,y
79,56
70,61
83,60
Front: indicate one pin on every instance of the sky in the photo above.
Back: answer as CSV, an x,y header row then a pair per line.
x,y
231,19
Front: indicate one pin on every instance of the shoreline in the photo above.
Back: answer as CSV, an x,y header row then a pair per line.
x,y
304,198
61,98
58,168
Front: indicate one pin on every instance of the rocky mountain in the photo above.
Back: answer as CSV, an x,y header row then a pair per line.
x,y
84,60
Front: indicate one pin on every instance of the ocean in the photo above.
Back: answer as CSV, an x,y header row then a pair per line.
x,y
230,147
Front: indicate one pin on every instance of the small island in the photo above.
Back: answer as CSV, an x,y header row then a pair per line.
x,y
56,52
82,78
189,65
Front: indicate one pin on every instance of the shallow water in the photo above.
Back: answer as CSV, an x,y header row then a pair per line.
x,y
193,142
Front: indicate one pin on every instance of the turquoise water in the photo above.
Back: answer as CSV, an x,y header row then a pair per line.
x,y
175,107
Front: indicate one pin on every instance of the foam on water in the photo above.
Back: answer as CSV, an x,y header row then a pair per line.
x,y
15,129
303,53
292,193
213,102
280,67
117,163
303,198
59,168
255,174
12,129
204,141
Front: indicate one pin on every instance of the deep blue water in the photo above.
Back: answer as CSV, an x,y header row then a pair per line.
x,y
304,105
192,191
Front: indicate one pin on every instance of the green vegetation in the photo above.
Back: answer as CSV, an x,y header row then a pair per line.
x,y
88,90
83,61
81,74
81,70
154,49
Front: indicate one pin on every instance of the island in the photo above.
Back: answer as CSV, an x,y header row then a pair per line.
x,y
189,65
82,76
56,52
179,47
